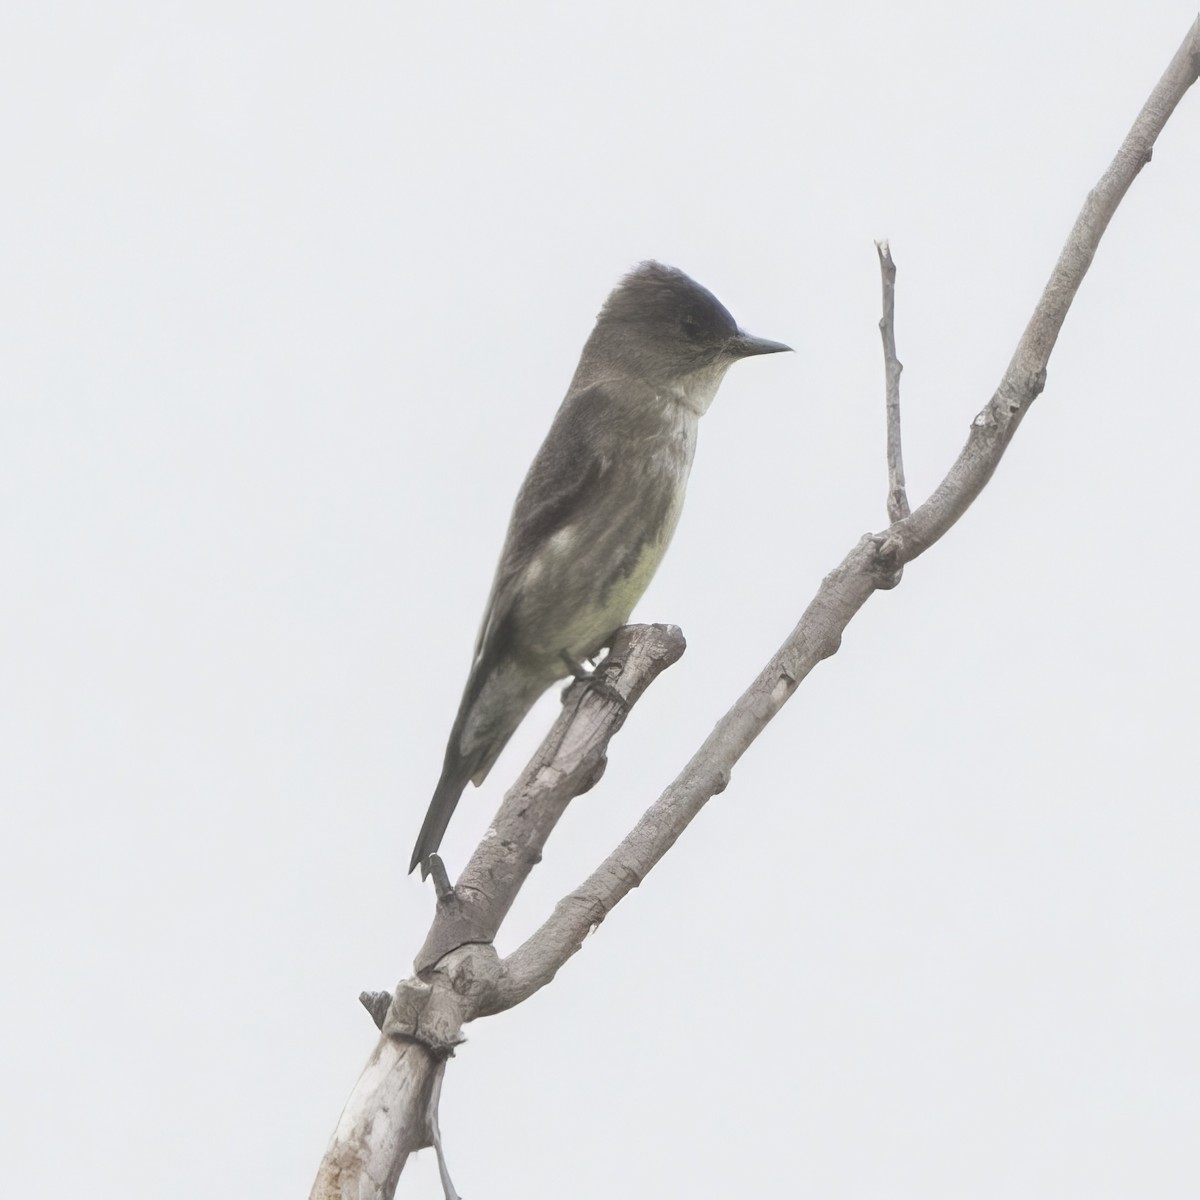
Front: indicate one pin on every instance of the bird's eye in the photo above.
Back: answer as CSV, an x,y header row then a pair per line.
x,y
692,329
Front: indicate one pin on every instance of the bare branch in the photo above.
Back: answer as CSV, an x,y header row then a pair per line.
x,y
870,565
369,1148
392,1109
568,763
842,593
994,427
897,502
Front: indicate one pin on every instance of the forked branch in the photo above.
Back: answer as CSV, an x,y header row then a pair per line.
x,y
392,1110
870,565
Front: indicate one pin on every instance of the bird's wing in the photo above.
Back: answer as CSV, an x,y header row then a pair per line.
x,y
567,474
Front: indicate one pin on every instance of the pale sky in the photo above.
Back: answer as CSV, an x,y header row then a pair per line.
x,y
289,295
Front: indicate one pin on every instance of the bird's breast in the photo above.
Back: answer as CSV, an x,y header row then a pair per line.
x,y
585,580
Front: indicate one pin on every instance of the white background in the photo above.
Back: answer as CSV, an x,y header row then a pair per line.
x,y
289,295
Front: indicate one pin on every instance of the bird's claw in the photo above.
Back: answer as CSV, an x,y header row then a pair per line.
x,y
596,679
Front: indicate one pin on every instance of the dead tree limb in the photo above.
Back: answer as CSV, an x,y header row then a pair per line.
x,y
392,1109
871,565
897,501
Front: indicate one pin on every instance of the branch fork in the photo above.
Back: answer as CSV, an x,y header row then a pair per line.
x,y
393,1108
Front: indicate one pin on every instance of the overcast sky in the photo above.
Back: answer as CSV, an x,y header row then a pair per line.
x,y
289,294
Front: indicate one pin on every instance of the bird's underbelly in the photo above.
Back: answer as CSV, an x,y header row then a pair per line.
x,y
583,588
600,615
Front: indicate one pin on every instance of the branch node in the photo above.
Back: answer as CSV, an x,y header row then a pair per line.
x,y
442,886
592,779
377,1004
831,645
428,1015
888,567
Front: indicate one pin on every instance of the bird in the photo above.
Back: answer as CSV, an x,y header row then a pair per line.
x,y
595,513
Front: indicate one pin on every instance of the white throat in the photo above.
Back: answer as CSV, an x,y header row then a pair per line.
x,y
696,391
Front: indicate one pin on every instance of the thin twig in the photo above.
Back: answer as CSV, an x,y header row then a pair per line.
x,y
994,427
897,501
442,887
435,1132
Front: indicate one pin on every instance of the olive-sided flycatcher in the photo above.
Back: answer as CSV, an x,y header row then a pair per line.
x,y
596,511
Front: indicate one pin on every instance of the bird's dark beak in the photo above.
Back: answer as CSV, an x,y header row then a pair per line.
x,y
746,344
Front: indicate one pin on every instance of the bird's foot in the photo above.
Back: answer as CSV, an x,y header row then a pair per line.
x,y
578,670
596,679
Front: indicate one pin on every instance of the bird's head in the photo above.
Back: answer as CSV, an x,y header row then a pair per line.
x,y
657,312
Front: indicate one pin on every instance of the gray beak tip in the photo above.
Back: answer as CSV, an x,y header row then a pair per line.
x,y
746,344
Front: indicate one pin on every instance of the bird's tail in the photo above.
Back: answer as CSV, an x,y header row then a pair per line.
x,y
489,714
455,776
